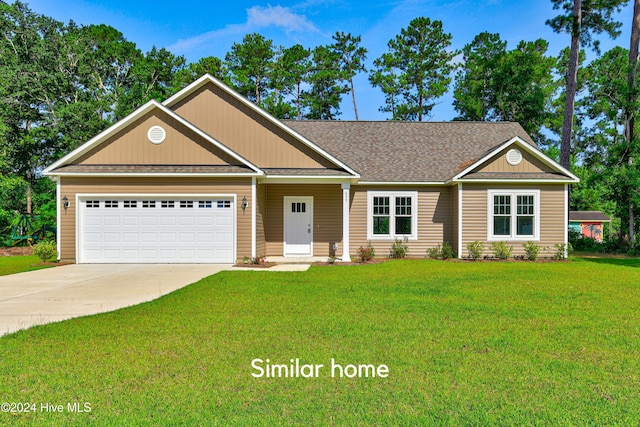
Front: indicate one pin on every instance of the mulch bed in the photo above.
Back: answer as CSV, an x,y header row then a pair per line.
x,y
16,250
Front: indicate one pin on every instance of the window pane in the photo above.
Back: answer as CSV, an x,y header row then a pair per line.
x,y
525,205
403,205
525,226
381,206
501,226
403,225
502,205
380,225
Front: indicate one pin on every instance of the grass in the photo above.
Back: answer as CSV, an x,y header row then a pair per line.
x,y
19,264
466,343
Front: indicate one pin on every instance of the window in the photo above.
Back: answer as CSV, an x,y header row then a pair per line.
x,y
392,215
92,203
167,204
110,203
148,203
205,204
297,207
513,215
186,203
224,204
130,203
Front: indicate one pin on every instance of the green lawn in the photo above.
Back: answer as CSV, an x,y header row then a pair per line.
x,y
466,343
18,264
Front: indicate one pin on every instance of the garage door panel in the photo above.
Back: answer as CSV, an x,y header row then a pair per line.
x,y
162,231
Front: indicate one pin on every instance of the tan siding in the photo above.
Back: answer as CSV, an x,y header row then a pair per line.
x,y
131,146
475,215
327,216
71,186
528,164
261,196
434,219
245,131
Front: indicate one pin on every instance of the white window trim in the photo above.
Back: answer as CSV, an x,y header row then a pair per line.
x,y
514,209
392,205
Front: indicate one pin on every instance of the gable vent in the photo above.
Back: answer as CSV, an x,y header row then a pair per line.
x,y
156,134
514,157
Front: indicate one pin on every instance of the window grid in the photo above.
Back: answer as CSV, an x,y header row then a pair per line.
x,y
110,203
205,204
513,215
92,203
186,203
148,203
167,204
224,204
130,203
381,217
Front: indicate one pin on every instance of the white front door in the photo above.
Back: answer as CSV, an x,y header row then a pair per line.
x,y
298,226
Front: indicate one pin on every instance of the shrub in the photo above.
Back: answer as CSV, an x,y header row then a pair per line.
x,y
399,249
560,250
367,253
531,250
501,250
45,250
475,249
444,251
447,251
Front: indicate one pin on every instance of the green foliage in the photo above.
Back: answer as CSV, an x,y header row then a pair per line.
x,y
416,70
444,251
561,250
251,65
531,250
45,250
399,249
475,249
501,250
496,84
352,57
326,80
366,253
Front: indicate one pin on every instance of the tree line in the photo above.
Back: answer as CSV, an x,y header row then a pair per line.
x,y
63,83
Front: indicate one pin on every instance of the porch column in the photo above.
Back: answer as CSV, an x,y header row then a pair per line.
x,y
346,190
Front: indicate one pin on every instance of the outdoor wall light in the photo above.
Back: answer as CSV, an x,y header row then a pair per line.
x,y
65,202
245,203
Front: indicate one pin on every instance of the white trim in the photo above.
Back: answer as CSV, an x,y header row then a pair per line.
x,y
253,219
297,179
148,107
346,241
566,220
402,183
84,196
513,193
460,220
209,78
527,147
513,181
286,200
153,175
58,217
152,139
392,195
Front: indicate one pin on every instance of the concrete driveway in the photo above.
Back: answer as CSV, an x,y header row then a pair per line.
x,y
59,293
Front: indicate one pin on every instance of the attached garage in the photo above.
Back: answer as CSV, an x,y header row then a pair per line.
x,y
156,229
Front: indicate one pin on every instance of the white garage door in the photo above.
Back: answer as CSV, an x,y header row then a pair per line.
x,y
156,230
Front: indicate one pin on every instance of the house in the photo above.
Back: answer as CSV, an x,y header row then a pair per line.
x,y
589,223
208,177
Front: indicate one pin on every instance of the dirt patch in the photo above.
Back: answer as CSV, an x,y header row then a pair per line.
x,y
261,265
16,251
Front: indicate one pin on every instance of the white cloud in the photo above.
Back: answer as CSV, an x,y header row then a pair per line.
x,y
257,18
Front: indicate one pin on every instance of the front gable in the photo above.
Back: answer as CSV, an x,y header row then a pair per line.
x,y
247,129
132,145
517,161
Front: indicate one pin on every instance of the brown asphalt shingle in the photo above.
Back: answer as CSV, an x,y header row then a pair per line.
x,y
407,151
588,216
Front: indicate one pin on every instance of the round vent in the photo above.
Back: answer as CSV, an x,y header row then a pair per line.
x,y
514,157
156,134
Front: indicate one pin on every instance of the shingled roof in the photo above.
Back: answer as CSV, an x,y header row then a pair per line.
x,y
392,151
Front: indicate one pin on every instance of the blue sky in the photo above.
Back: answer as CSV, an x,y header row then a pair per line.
x,y
198,28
